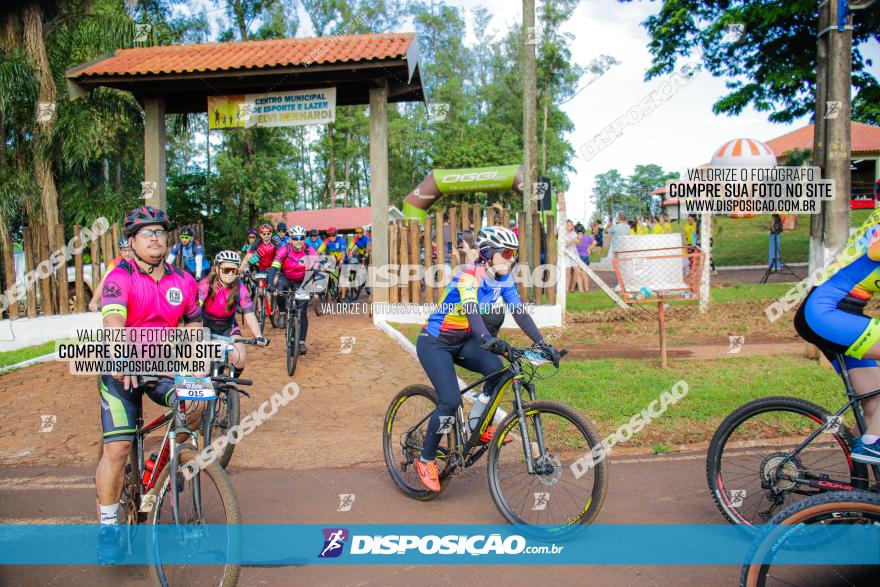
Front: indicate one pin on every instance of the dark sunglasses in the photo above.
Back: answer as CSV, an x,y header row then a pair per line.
x,y
228,270
267,233
299,238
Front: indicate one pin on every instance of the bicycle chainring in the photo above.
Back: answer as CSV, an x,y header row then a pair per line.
x,y
548,469
771,472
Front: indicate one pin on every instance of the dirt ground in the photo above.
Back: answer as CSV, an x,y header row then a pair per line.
x,y
342,403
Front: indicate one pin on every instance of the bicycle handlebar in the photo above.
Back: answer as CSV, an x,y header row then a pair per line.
x,y
229,339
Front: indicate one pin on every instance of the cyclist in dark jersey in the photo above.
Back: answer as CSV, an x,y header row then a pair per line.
x,y
455,334
221,295
832,317
143,292
192,252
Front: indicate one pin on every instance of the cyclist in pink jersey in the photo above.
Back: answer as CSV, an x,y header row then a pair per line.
x,y
145,291
222,294
293,259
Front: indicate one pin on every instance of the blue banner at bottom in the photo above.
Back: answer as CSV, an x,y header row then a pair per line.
x,y
845,544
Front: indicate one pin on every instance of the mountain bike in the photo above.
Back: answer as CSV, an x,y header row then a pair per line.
x,y
353,292
263,307
224,411
531,479
295,301
802,525
774,451
149,496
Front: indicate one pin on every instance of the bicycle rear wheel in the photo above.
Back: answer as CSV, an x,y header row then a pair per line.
x,y
227,413
260,311
403,434
206,506
743,464
274,314
832,509
292,339
553,498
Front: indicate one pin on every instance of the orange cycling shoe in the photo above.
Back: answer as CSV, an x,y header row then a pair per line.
x,y
486,437
428,474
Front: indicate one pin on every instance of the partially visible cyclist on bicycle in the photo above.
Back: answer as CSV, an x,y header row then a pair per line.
x,y
832,317
335,246
146,291
192,252
221,295
455,334
290,264
261,252
281,237
126,254
314,240
251,239
360,244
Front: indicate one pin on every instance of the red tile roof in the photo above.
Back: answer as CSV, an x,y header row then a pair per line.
x,y
865,139
341,218
207,57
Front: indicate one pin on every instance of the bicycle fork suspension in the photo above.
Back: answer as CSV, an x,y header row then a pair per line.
x,y
523,425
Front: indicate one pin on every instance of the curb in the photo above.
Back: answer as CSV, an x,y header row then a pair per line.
x,y
28,363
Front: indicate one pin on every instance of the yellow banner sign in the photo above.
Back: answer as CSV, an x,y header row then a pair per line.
x,y
297,108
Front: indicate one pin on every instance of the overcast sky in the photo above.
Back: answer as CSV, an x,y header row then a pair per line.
x,y
680,133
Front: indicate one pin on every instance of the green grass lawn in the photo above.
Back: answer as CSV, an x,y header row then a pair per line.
x,y
23,354
596,300
743,241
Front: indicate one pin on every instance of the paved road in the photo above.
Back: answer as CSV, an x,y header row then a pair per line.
x,y
667,489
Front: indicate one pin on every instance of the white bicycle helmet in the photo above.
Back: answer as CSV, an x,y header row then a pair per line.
x,y
227,257
497,237
297,231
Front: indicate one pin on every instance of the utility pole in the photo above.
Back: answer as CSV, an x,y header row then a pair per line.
x,y
833,128
530,125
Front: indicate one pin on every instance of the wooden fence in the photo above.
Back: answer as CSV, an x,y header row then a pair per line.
x,y
60,294
407,246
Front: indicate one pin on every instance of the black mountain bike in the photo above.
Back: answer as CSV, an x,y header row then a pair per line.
x,y
774,451
531,479
295,301
811,523
224,412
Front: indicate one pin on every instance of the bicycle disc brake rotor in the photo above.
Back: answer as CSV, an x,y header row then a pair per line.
x,y
548,469
772,475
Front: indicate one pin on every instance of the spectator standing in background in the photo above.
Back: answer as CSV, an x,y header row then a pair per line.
x,y
774,255
585,246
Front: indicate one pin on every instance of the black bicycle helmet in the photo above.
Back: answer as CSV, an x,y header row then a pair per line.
x,y
145,216
186,231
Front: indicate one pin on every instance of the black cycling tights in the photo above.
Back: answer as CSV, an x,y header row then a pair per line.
x,y
438,359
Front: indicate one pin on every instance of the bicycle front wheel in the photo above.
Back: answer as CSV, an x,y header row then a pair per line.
x,y
828,509
560,494
747,468
292,338
206,507
227,413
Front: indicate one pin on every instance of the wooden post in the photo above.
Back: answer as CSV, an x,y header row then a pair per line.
x,y
63,302
523,260
80,273
551,259
477,217
379,180
96,264
465,221
441,251
453,228
393,260
116,250
46,296
429,259
6,249
536,254
404,259
505,218
415,286
154,150
661,318
106,250
30,253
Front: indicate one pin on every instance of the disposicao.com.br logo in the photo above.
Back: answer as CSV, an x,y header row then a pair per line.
x,y
450,544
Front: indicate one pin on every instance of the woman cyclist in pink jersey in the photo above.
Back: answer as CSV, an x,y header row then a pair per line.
x,y
221,294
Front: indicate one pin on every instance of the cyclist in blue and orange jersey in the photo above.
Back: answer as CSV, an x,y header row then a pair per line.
x,y
221,295
146,291
281,237
335,246
455,334
251,239
832,317
360,244
290,265
314,240
192,252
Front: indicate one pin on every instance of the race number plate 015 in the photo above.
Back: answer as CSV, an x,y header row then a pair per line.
x,y
194,388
